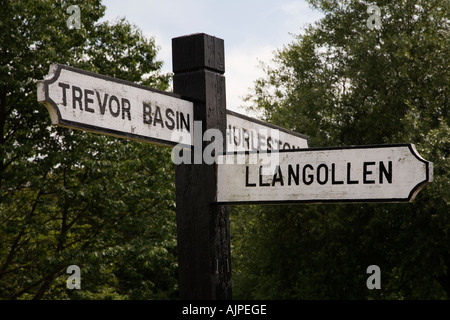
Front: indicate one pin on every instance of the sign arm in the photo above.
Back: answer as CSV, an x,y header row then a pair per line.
x,y
375,173
87,101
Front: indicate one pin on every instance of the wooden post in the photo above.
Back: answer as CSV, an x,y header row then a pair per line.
x,y
203,229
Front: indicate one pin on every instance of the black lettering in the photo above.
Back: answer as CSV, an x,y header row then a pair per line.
x,y
286,146
386,173
64,87
77,98
247,184
261,184
311,177
261,142
158,117
101,104
333,175
178,120
367,172
278,176
116,100
147,113
292,174
126,106
87,100
349,169
185,123
276,144
325,180
269,145
237,141
170,125
252,137
246,138
229,133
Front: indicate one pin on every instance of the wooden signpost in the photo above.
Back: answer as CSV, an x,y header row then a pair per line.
x,y
387,173
87,101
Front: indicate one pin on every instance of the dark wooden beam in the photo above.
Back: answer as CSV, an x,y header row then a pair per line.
x,y
203,228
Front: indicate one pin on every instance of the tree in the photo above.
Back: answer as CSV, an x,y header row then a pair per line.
x,y
342,83
69,197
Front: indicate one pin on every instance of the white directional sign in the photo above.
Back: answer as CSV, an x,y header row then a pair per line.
x,y
385,173
84,100
249,134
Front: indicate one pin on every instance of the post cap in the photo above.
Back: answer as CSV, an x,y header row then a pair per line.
x,y
198,51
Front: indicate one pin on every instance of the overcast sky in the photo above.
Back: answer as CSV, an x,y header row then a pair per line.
x,y
251,29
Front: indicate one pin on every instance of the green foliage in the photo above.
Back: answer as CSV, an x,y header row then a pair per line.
x,y
69,197
344,84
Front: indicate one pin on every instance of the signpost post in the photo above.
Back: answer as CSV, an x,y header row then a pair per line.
x,y
204,257
383,173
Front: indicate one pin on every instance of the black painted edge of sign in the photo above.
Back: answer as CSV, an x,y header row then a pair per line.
x,y
415,190
55,115
369,146
118,134
272,126
429,173
60,67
